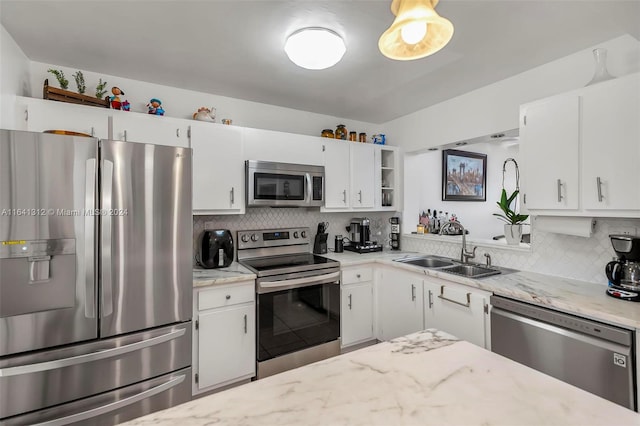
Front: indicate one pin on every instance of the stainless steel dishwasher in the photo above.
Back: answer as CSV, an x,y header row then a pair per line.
x,y
596,357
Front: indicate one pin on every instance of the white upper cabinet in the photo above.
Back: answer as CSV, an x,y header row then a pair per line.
x,y
268,145
38,115
362,175
550,136
336,169
581,151
611,145
147,128
218,169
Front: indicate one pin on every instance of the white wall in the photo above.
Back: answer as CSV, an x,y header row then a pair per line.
x,y
14,76
182,103
495,108
423,189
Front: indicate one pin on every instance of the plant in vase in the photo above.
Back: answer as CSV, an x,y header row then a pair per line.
x,y
513,221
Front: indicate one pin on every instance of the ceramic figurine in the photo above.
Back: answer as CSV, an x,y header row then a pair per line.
x,y
126,106
205,114
115,99
155,107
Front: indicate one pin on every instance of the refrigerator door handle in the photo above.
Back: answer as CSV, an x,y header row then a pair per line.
x,y
115,405
94,356
107,205
89,239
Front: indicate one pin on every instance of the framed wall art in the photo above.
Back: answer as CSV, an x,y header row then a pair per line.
x,y
464,176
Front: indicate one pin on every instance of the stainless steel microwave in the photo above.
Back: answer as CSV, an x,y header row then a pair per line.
x,y
283,184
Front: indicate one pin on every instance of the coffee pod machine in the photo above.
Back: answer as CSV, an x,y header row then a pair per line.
x,y
395,233
360,236
624,272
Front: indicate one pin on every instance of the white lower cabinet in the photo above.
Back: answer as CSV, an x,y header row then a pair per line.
x,y
224,349
356,311
459,310
399,303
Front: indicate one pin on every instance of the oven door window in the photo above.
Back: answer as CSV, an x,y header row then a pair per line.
x,y
274,186
299,318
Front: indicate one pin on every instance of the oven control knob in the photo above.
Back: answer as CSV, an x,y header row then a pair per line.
x,y
303,234
295,234
245,238
254,237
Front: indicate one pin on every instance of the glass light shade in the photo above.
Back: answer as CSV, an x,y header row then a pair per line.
x,y
315,48
409,13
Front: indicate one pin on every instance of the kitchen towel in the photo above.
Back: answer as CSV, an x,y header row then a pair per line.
x,y
578,226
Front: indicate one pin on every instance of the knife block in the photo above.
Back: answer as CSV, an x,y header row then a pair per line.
x,y
320,244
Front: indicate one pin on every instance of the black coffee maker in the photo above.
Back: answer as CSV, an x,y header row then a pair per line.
x,y
360,236
624,272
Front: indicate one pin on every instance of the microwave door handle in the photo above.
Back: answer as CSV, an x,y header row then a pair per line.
x,y
309,194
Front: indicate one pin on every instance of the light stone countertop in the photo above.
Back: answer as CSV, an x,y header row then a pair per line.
x,y
231,274
567,295
426,378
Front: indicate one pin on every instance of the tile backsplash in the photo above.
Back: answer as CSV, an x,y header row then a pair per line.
x,y
551,254
264,218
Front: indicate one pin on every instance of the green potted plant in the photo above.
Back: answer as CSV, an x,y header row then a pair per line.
x,y
513,221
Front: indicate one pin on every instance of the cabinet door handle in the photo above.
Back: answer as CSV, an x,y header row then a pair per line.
x,y
466,305
599,183
560,191
430,299
125,135
350,302
245,323
93,132
228,297
26,115
413,293
344,196
360,196
177,133
233,195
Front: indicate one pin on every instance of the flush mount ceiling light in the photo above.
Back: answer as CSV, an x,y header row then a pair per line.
x,y
417,31
315,48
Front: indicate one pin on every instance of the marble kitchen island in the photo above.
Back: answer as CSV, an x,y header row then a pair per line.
x,y
426,378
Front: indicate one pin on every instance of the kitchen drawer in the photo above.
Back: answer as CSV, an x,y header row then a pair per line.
x,y
354,276
225,296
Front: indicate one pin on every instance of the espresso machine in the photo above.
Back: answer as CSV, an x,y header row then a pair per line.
x,y
624,272
360,235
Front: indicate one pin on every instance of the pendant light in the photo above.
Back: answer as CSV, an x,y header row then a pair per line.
x,y
417,31
314,48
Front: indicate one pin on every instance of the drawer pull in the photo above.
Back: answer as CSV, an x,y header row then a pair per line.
x,y
358,276
228,296
466,305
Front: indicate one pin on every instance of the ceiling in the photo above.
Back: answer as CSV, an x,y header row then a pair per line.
x,y
235,48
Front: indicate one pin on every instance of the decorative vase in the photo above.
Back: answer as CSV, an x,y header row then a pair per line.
x,y
513,234
600,74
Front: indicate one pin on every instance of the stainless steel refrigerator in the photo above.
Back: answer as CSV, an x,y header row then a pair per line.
x,y
95,279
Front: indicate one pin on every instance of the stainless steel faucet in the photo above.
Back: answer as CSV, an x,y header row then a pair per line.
x,y
465,255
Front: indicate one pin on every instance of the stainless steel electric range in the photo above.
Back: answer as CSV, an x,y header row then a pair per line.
x,y
298,299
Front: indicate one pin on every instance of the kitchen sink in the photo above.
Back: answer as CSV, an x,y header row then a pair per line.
x,y
471,271
452,266
427,262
